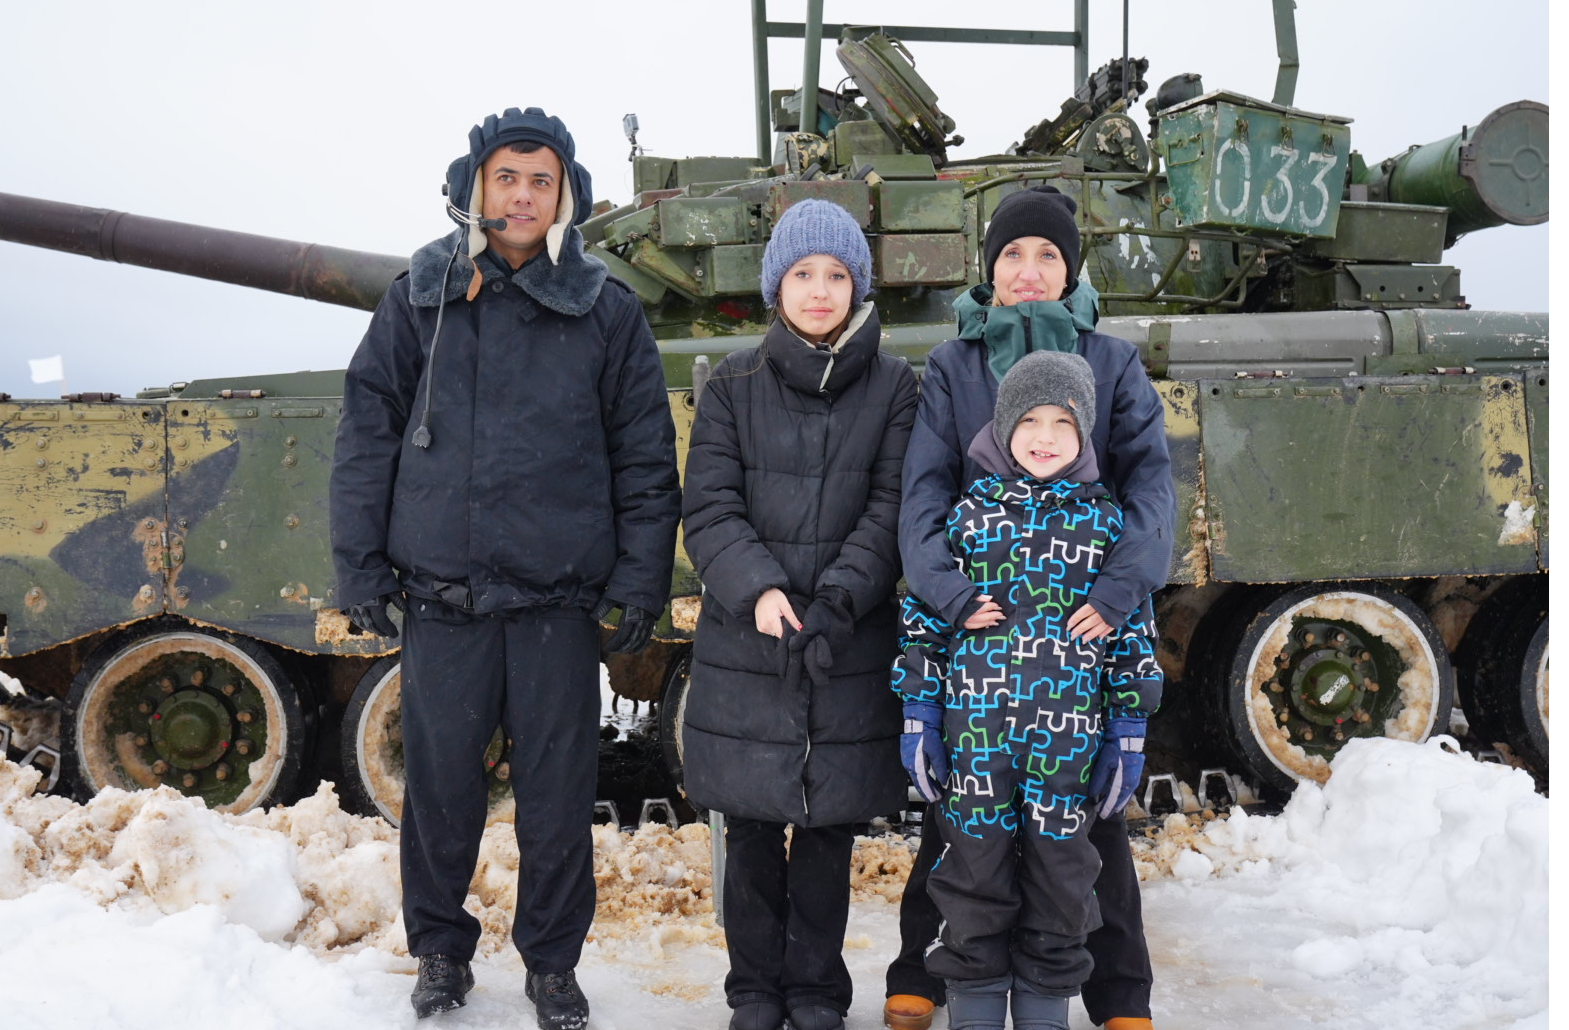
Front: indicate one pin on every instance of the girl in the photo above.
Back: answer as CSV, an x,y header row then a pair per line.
x,y
791,509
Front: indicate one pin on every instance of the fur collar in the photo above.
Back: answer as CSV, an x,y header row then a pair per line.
x,y
570,287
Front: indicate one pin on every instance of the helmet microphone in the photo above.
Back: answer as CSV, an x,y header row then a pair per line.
x,y
465,218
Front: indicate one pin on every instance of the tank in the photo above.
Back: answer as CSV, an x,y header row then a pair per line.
x,y
1359,452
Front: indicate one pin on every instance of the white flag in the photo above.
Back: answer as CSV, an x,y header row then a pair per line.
x,y
47,370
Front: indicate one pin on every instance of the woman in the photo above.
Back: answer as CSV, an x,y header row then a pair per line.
x,y
1034,300
791,510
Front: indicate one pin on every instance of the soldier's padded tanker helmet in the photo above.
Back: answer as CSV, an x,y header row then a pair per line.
x,y
465,188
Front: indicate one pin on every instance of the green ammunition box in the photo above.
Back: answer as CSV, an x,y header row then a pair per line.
x,y
936,206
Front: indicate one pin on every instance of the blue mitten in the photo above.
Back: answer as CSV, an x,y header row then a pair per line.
x,y
921,748
1119,765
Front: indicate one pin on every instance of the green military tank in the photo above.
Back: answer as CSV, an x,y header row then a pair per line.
x,y
1359,453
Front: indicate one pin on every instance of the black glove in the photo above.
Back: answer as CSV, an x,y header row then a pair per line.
x,y
632,634
371,616
788,657
825,630
790,666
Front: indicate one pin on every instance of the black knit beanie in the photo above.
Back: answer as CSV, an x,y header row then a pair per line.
x,y
1043,211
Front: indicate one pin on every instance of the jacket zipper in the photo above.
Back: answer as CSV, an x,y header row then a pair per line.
x,y
1029,338
826,434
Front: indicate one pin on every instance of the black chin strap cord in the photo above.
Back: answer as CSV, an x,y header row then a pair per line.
x,y
422,434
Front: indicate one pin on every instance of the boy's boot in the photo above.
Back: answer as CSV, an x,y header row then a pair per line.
x,y
815,1017
1035,1011
1129,1023
757,1015
558,1002
908,1012
978,1004
442,983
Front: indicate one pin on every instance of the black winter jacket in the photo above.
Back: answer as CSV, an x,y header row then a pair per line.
x,y
793,482
958,397
551,475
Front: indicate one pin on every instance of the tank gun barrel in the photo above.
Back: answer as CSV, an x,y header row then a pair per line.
x,y
1492,173
332,275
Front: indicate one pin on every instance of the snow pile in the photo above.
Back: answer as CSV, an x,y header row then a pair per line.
x,y
1409,891
71,963
880,866
655,879
315,875
1411,859
310,873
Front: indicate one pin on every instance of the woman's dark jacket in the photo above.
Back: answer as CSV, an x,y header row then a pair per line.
x,y
958,397
550,480
794,484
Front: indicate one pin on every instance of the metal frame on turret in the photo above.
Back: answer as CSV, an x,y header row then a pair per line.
x,y
813,29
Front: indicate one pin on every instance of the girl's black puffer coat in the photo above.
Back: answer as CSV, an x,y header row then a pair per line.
x,y
792,481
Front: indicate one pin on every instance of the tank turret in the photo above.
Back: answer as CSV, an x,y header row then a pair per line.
x,y
1238,204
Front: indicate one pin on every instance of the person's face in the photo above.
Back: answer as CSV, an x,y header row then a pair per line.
x,y
522,189
1045,440
1029,268
815,295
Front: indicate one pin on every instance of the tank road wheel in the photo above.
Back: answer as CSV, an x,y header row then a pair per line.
x,y
1297,674
1505,697
373,742
672,713
373,747
211,714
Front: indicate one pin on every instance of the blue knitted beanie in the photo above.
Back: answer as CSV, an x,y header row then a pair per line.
x,y
816,227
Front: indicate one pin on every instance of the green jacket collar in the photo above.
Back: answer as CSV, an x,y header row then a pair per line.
x,y
1012,332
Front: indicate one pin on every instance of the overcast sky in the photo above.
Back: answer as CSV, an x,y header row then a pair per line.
x,y
333,122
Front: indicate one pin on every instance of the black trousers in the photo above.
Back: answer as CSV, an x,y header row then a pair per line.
x,y
535,674
1017,901
1119,984
785,915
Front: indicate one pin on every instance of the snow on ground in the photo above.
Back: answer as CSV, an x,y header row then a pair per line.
x,y
1409,891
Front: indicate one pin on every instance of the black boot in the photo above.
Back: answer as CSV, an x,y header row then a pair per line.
x,y
558,1002
757,1015
442,983
1035,1011
815,1017
978,1004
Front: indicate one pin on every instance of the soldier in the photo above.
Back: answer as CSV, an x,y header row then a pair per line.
x,y
505,473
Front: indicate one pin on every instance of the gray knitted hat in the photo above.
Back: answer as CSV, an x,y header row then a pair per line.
x,y
816,227
1046,377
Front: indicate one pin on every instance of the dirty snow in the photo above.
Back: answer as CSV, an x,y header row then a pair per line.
x,y
1410,890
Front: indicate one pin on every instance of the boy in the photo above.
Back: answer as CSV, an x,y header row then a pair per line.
x,y
1013,704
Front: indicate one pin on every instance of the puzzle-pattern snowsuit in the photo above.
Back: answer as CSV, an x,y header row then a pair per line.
x,y
1024,705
